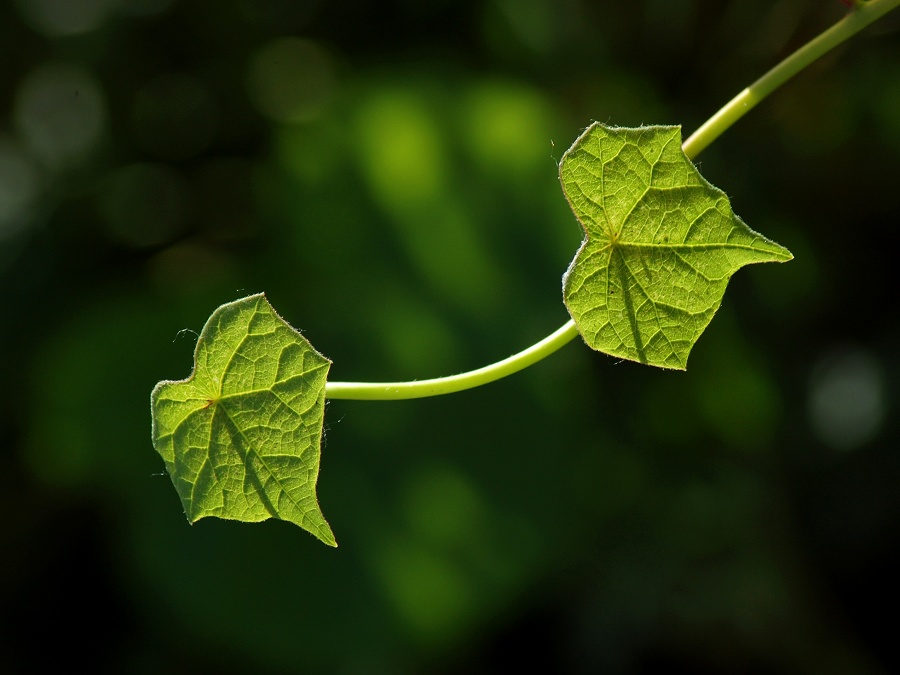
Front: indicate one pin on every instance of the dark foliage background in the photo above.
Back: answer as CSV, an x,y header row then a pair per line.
x,y
386,172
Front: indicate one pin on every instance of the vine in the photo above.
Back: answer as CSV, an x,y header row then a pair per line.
x,y
241,435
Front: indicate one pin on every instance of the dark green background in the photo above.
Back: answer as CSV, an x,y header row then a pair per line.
x,y
386,173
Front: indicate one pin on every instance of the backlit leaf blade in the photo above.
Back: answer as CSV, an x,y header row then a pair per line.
x,y
241,436
661,244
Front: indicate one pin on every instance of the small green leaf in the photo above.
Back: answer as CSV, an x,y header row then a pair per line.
x,y
241,435
661,244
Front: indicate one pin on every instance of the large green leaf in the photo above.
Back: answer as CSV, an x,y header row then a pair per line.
x,y
661,244
241,435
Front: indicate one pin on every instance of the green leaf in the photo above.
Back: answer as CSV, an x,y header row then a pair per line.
x,y
241,436
661,244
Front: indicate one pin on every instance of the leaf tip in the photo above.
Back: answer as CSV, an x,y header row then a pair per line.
x,y
322,532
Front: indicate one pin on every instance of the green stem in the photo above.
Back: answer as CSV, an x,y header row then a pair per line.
x,y
371,391
858,18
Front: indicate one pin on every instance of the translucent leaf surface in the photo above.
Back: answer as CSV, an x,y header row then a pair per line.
x,y
241,436
661,244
